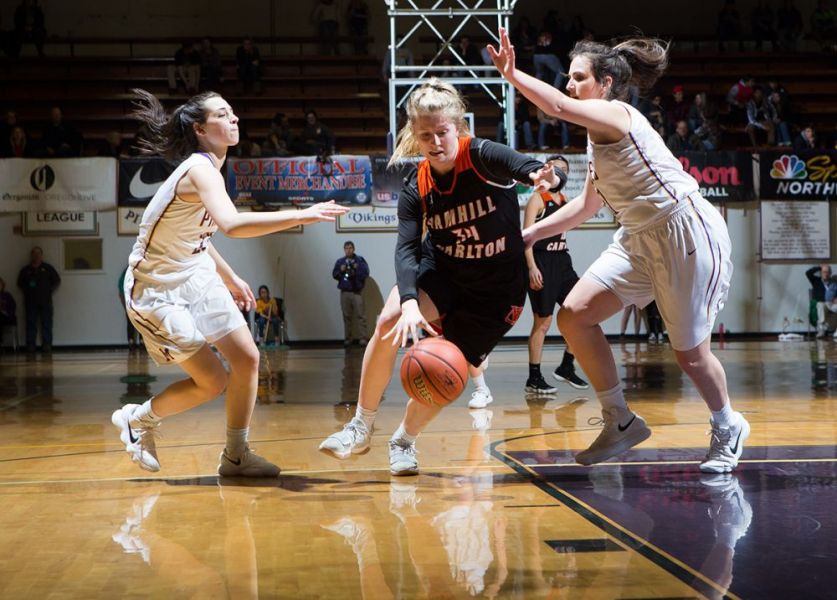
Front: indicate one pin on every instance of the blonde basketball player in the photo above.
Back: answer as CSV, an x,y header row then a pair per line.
x,y
182,295
672,245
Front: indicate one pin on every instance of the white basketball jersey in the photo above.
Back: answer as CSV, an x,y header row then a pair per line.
x,y
172,242
638,177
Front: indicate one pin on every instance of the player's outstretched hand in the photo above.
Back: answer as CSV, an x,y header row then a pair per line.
x,y
241,293
324,211
544,179
408,325
503,58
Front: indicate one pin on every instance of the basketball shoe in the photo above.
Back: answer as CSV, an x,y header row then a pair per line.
x,y
730,512
538,386
480,398
138,437
568,375
726,446
249,464
623,430
402,458
354,438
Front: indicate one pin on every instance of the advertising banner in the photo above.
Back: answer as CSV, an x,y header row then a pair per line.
x,y
139,179
60,184
722,176
798,230
273,183
808,175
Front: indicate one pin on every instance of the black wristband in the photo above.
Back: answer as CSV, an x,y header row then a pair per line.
x,y
562,180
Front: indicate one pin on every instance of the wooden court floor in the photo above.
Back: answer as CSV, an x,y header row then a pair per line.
x,y
500,510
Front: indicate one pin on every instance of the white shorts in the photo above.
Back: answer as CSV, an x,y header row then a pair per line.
x,y
175,322
682,262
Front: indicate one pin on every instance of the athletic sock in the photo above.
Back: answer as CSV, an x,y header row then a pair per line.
x,y
236,441
723,418
479,381
613,398
535,370
367,416
402,435
567,361
145,415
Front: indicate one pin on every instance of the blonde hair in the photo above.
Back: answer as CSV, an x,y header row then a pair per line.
x,y
434,96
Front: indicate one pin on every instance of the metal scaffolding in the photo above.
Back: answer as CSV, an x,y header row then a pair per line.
x,y
445,21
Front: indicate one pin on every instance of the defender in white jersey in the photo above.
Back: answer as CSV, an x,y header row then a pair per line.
x,y
182,295
672,245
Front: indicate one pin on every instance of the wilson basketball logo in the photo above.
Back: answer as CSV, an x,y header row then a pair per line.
x,y
420,388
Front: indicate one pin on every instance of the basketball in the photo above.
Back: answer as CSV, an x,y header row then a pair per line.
x,y
434,372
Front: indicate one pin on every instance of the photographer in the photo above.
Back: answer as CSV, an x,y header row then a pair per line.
x,y
351,272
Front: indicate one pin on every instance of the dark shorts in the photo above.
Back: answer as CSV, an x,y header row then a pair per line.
x,y
559,277
479,305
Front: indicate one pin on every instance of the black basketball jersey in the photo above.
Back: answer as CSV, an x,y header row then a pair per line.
x,y
556,243
471,215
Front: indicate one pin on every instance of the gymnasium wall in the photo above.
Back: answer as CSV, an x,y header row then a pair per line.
x,y
298,267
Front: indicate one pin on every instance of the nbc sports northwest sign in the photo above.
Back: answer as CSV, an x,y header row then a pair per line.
x,y
808,175
59,184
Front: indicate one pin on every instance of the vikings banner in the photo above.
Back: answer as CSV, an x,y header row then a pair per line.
x,y
810,175
722,176
273,183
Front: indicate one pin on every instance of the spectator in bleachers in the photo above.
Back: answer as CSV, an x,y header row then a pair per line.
x,y
280,139
211,71
316,138
761,116
729,26
789,25
739,95
695,115
249,63
522,125
806,140
17,145
186,68
823,25
9,122
524,37
824,294
679,140
678,108
655,113
246,147
274,145
469,51
783,136
709,131
403,57
762,24
357,15
326,15
29,27
60,139
548,66
548,124
269,311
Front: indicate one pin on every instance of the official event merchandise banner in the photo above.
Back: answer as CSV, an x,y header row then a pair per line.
x,y
722,175
273,183
59,184
810,175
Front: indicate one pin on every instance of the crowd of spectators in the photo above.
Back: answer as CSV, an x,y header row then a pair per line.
x,y
58,139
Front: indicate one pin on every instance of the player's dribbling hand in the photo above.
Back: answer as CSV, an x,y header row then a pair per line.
x,y
324,211
241,293
503,58
408,325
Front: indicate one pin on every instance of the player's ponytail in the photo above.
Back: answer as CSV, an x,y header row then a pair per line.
x,y
171,136
433,96
635,61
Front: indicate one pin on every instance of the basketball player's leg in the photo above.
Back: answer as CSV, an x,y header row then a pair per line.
x,y
376,372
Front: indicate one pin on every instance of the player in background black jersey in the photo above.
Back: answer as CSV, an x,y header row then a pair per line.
x,y
551,277
468,270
